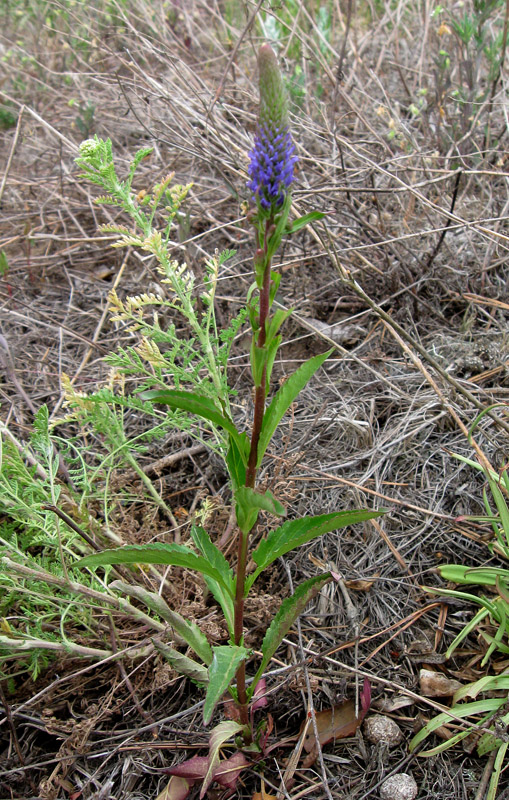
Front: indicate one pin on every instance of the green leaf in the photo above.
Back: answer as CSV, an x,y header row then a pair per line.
x,y
176,555
194,404
226,661
236,460
296,532
300,222
275,239
489,683
258,362
271,350
288,612
250,502
182,664
215,557
276,321
283,399
483,576
4,264
186,629
218,736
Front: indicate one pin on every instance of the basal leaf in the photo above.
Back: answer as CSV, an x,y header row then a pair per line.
x,y
215,557
176,555
182,664
283,399
218,736
288,612
296,532
186,629
225,663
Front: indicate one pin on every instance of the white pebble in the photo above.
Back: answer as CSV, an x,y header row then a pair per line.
x,y
382,729
399,787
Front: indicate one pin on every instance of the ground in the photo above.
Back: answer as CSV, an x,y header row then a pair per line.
x,y
400,127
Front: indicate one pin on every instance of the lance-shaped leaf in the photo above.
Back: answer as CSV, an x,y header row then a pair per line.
x,y
283,399
215,557
236,460
296,532
186,629
226,661
300,222
248,504
182,664
175,555
195,404
288,612
206,768
219,735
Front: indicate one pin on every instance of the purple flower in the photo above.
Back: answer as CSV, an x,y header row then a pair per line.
x,y
272,158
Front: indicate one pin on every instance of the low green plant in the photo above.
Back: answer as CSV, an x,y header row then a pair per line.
x,y
199,399
468,65
491,712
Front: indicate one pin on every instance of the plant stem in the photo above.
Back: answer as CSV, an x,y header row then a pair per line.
x,y
259,409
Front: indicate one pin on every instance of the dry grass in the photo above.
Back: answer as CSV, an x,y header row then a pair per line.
x,y
407,280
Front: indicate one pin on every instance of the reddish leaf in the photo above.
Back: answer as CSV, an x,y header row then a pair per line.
x,y
228,771
194,769
259,699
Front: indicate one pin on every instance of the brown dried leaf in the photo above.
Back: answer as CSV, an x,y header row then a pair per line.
x,y
362,585
263,795
436,684
391,704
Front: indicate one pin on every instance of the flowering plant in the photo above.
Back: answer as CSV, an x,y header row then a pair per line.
x,y
222,669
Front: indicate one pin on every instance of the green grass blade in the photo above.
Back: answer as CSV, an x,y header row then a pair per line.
x,y
465,710
497,771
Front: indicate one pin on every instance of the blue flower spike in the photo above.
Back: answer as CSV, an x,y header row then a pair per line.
x,y
272,157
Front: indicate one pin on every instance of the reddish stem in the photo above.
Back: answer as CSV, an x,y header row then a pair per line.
x,y
259,409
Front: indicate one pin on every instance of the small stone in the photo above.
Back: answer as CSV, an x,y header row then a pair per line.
x,y
382,729
399,787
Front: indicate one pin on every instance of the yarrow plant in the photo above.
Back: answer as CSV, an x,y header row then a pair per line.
x,y
222,669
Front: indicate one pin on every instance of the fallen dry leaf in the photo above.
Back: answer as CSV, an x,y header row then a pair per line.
x,y
362,585
391,704
337,722
263,795
436,684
